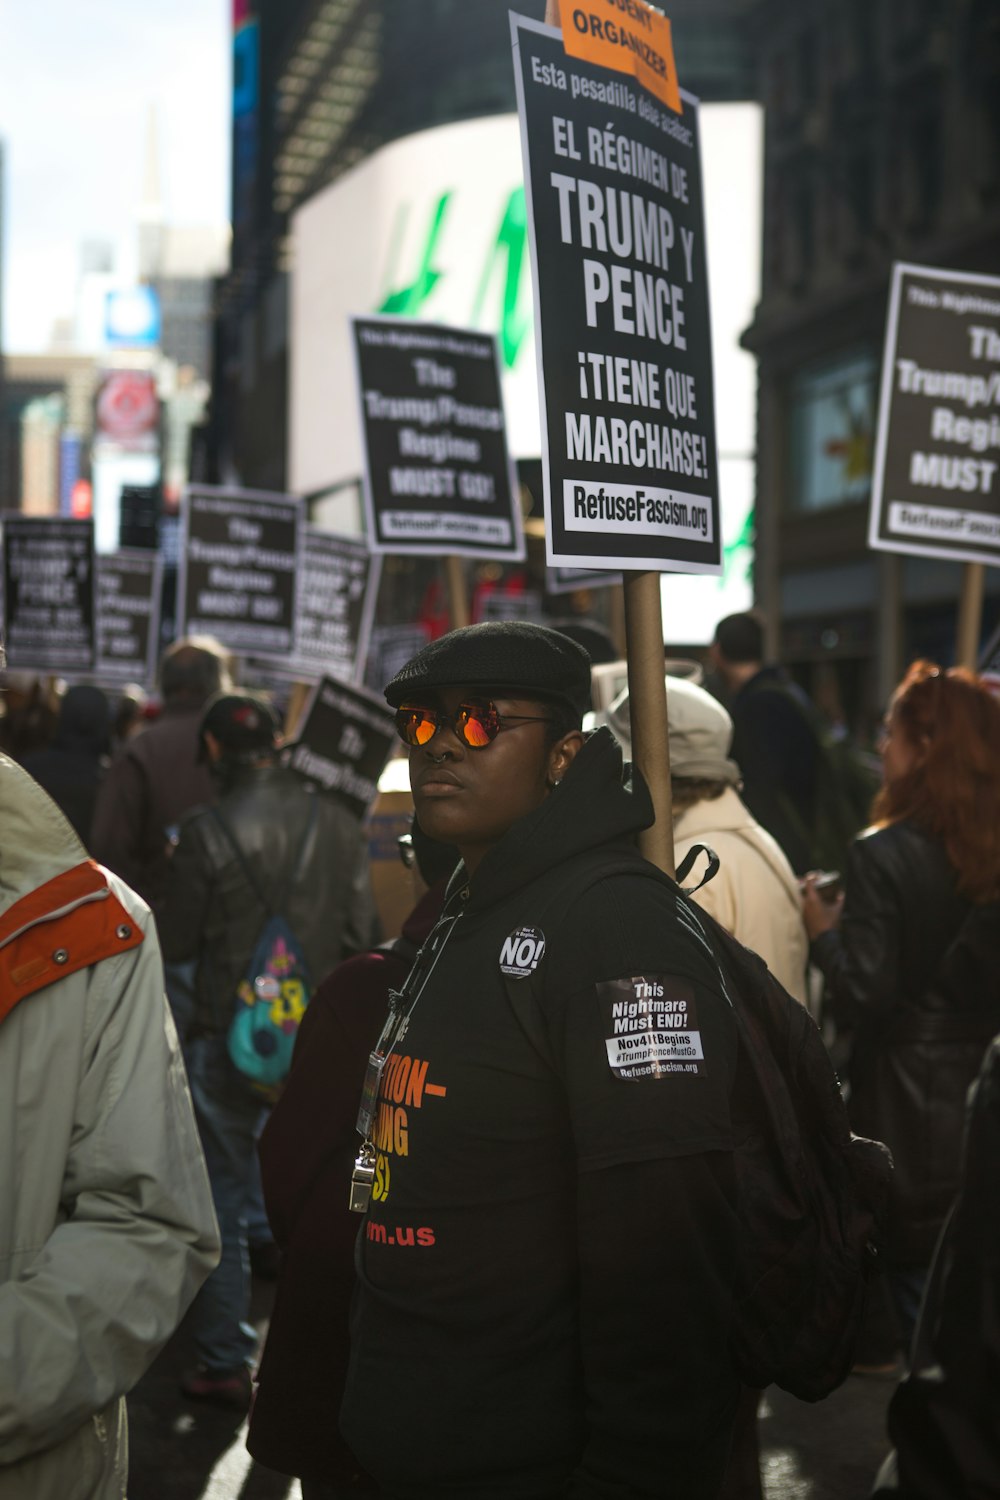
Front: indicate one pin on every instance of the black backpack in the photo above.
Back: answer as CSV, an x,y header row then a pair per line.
x,y
812,1197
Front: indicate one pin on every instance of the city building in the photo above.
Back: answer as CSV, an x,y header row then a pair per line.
x,y
46,420
319,87
882,144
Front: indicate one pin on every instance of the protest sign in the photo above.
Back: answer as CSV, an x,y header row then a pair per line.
x,y
438,477
344,742
568,580
238,569
935,484
338,587
48,593
127,596
613,184
390,648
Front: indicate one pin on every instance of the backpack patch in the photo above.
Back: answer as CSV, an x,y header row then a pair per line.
x,y
271,1000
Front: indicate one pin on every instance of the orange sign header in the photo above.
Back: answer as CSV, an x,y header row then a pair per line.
x,y
628,36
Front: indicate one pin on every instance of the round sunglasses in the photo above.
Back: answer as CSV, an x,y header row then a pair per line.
x,y
475,724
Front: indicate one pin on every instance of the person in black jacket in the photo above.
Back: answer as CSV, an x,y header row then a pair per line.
x,y
72,768
944,1418
306,1151
547,1263
268,833
912,964
775,742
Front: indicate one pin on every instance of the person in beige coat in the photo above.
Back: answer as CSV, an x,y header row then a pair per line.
x,y
106,1222
755,894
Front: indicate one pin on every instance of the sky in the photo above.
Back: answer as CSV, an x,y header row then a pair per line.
x,y
77,83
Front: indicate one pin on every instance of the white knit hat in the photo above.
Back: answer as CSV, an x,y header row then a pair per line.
x,y
701,732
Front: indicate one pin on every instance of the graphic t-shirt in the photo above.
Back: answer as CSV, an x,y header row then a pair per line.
x,y
524,1063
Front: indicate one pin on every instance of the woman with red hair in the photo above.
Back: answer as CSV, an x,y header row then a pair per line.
x,y
911,955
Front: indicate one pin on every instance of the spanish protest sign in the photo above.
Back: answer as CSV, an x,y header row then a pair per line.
x,y
238,568
338,587
48,593
614,195
127,594
935,484
344,742
438,477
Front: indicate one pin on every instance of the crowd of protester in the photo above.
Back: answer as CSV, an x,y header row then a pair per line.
x,y
492,1324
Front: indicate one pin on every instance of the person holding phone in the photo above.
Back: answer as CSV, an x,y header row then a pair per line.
x,y
911,950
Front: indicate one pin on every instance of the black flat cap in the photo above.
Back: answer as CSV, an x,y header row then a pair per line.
x,y
499,655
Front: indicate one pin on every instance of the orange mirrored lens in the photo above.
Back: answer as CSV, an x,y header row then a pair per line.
x,y
475,733
415,726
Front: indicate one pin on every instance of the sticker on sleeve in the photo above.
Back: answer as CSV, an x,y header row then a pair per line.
x,y
652,1027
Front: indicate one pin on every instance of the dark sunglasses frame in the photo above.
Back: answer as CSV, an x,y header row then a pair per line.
x,y
484,713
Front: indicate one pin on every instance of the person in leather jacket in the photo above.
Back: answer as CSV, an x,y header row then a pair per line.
x,y
279,835
944,1418
912,960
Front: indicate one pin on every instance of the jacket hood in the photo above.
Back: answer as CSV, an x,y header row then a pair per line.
x,y
36,841
599,801
84,721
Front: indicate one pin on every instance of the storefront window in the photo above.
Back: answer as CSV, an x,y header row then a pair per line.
x,y
832,410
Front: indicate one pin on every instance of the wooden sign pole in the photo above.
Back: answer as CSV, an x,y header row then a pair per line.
x,y
297,699
647,701
647,689
970,615
458,598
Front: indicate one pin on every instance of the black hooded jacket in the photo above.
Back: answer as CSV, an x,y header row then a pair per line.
x,y
546,1269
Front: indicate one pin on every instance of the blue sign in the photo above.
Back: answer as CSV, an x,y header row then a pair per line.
x,y
132,318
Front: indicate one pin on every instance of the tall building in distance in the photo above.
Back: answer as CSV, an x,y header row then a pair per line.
x,y
882,143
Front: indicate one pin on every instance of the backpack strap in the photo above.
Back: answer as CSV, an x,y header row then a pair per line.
x,y
271,908
687,864
521,993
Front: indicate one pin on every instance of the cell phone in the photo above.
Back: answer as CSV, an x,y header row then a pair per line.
x,y
828,885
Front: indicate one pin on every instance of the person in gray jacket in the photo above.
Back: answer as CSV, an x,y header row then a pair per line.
x,y
106,1221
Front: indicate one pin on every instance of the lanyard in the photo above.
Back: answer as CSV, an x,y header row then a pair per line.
x,y
402,1004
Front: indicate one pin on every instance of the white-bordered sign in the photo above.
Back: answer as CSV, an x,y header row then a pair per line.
x,y
238,571
128,588
48,593
936,478
338,589
438,477
622,333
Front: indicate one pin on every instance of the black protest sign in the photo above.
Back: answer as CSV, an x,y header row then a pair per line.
x,y
935,488
338,586
568,580
48,567
438,477
344,742
238,569
613,181
127,596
